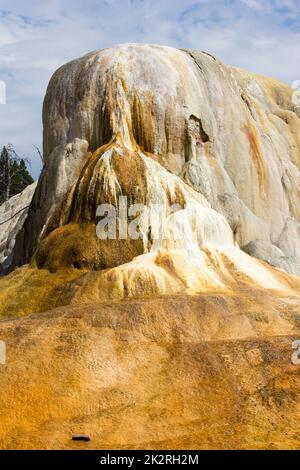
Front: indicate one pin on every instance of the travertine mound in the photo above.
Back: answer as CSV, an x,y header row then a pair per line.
x,y
164,125
178,341
170,127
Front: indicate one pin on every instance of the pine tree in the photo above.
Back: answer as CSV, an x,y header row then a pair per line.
x,y
14,175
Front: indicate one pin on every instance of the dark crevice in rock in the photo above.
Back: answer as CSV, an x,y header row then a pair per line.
x,y
10,218
187,51
196,130
247,103
209,55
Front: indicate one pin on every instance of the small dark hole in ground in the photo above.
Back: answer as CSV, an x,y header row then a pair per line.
x,y
80,437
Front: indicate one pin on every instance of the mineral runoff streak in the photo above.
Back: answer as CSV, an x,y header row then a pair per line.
x,y
151,459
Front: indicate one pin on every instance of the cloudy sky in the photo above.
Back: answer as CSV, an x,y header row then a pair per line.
x,y
37,37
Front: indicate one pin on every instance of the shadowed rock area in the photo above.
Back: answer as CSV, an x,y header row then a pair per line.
x,y
181,340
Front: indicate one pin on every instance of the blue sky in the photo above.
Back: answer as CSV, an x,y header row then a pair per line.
x,y
37,37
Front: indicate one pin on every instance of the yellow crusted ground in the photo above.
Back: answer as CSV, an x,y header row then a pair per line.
x,y
208,371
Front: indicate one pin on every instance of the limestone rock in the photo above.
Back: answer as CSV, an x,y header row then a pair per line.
x,y
171,127
273,255
12,216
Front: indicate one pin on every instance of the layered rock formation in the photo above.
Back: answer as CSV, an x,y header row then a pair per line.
x,y
12,217
153,117
199,354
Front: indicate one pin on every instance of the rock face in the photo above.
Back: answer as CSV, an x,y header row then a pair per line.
x,y
176,126
12,217
180,337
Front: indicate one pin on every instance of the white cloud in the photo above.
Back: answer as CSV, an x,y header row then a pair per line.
x,y
37,37
256,4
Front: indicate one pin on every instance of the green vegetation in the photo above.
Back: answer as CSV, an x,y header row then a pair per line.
x,y
14,175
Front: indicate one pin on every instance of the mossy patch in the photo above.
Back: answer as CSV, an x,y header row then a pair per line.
x,y
77,246
28,290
